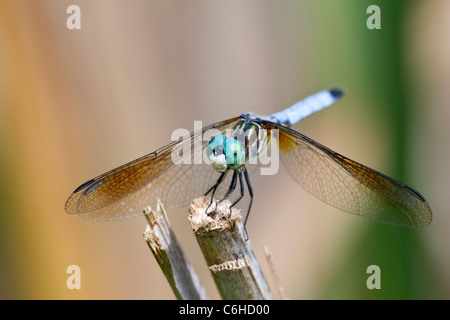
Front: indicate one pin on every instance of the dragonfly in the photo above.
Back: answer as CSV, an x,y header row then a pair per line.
x,y
331,177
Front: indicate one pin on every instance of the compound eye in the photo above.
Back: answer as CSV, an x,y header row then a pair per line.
x,y
216,154
217,151
235,154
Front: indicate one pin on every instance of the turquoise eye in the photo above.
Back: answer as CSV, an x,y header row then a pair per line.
x,y
216,154
234,154
215,145
225,153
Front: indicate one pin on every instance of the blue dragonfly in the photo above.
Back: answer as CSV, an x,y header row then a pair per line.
x,y
331,177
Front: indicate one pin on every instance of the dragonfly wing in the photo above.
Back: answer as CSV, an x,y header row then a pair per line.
x,y
349,185
125,191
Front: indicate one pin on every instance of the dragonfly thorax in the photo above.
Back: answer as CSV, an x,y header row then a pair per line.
x,y
243,143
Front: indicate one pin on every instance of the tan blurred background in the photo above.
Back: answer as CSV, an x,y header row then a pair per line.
x,y
76,103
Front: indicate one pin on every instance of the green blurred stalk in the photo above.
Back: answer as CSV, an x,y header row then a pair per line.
x,y
371,61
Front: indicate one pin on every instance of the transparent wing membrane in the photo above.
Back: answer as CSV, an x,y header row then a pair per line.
x,y
125,191
348,185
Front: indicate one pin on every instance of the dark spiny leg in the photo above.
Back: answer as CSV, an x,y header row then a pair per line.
x,y
231,189
214,188
250,191
242,191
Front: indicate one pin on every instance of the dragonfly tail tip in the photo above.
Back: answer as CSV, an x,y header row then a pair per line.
x,y
336,92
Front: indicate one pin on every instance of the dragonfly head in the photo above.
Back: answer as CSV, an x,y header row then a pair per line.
x,y
225,153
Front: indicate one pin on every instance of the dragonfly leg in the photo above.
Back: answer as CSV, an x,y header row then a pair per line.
x,y
250,191
231,189
242,191
214,188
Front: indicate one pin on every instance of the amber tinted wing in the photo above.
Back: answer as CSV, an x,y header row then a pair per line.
x,y
349,185
125,191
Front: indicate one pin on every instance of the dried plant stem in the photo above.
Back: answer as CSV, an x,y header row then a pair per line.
x,y
228,254
170,256
280,289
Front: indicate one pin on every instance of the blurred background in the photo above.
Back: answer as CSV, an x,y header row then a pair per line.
x,y
77,103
